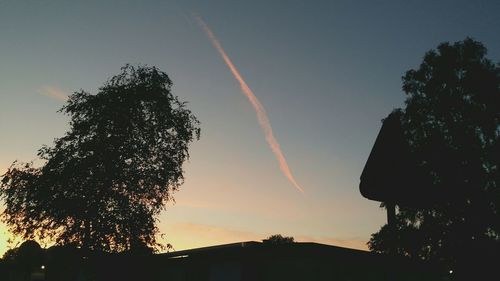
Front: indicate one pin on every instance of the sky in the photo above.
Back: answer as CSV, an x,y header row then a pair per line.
x,y
325,72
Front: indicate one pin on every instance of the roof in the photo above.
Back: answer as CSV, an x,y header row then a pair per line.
x,y
391,173
256,248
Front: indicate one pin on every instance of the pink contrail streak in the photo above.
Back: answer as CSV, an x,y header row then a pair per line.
x,y
259,109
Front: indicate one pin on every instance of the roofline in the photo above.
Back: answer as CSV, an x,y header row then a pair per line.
x,y
215,247
246,244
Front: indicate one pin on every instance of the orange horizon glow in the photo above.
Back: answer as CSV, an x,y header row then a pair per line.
x,y
264,122
187,235
194,235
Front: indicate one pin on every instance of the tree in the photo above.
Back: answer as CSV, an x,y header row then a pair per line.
x,y
452,124
103,184
25,259
278,239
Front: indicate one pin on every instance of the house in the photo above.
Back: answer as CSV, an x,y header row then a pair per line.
x,y
244,261
252,261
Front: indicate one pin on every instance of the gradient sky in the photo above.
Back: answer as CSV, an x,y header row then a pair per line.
x,y
326,72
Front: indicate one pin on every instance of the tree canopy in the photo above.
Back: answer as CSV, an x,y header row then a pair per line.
x,y
452,124
278,239
103,184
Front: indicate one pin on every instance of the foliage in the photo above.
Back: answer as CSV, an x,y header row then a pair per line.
x,y
28,252
104,182
452,123
22,261
278,239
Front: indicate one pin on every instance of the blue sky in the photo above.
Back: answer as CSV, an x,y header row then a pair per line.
x,y
326,72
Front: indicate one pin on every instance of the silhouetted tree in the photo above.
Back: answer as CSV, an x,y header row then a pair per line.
x,y
25,259
104,182
452,124
28,252
278,239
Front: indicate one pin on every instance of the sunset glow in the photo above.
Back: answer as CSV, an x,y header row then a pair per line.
x,y
190,235
317,76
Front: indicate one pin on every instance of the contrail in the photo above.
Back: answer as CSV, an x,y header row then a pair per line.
x,y
264,122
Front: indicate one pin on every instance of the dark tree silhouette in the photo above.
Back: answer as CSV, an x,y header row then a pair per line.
x,y
25,259
452,124
29,252
104,182
278,239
